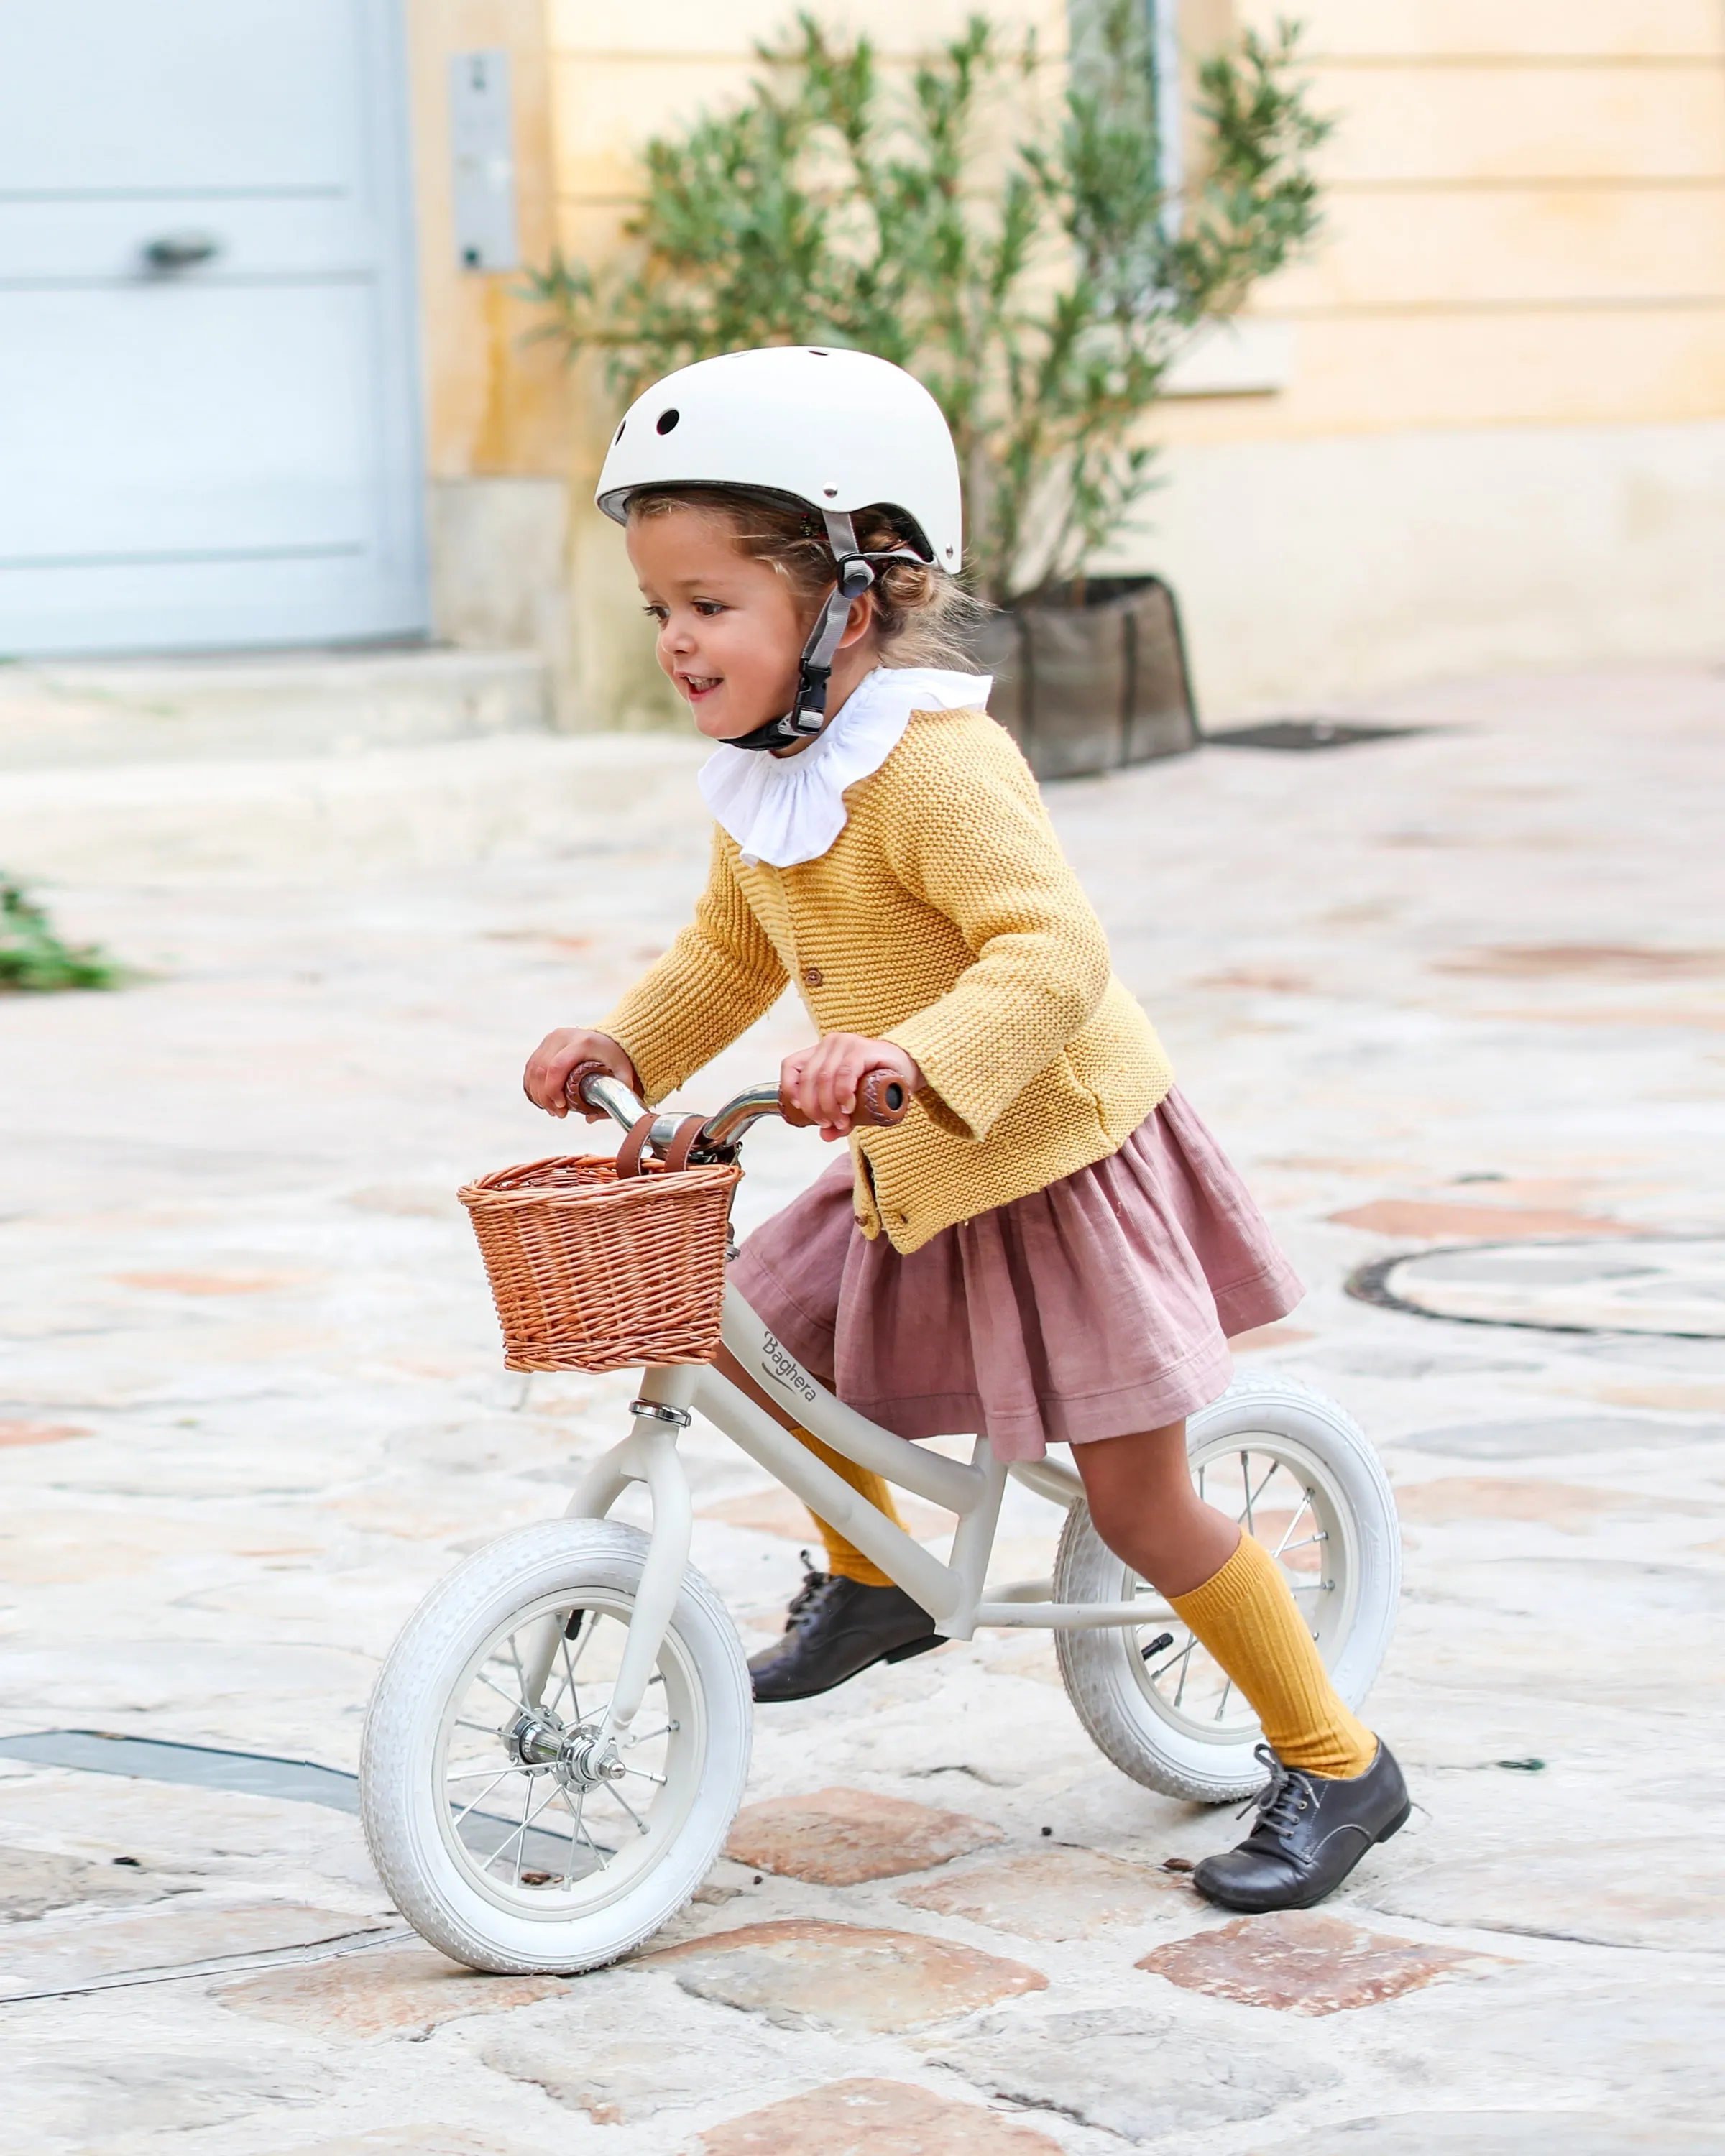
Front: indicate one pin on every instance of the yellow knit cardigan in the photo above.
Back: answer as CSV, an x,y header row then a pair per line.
x,y
945,918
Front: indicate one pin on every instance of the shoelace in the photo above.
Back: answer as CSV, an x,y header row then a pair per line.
x,y
814,1584
1280,1804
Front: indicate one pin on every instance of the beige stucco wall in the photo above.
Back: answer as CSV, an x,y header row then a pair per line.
x,y
500,417
1503,436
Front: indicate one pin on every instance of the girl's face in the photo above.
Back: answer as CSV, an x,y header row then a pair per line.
x,y
730,632
731,629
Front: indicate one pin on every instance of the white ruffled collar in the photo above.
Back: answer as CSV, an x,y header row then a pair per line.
x,y
785,809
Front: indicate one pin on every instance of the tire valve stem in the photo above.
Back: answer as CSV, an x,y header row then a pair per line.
x,y
1162,1639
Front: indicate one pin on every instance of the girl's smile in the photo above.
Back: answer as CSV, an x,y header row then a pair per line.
x,y
731,630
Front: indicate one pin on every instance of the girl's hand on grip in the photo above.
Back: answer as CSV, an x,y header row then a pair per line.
x,y
549,1065
822,1081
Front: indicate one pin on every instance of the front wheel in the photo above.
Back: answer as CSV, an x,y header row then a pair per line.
x,y
1297,1471
509,1837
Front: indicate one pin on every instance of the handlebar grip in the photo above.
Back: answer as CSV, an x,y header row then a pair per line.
x,y
882,1100
592,1068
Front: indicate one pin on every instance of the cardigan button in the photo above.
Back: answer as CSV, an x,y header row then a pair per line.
x,y
813,976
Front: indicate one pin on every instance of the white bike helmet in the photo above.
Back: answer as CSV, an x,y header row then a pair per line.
x,y
834,431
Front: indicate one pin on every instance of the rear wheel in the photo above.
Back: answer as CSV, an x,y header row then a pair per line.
x,y
1297,1472
510,1834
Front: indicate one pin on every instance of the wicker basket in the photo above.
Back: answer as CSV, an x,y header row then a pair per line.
x,y
594,1272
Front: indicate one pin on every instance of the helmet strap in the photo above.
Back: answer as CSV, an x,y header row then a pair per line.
x,y
808,715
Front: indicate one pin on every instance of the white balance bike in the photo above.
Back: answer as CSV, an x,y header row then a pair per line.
x,y
558,1742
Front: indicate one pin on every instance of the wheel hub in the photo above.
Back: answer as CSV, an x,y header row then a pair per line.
x,y
581,1758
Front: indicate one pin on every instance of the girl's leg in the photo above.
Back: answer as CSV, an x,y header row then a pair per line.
x,y
1228,1589
849,1617
1334,1790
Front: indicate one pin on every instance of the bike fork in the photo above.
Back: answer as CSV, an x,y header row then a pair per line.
x,y
648,1455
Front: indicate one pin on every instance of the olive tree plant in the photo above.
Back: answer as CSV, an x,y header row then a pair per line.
x,y
1015,247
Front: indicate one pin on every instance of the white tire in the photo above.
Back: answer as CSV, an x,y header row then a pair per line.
x,y
1149,1697
535,1868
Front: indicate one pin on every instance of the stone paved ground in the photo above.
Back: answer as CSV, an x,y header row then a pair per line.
x,y
1455,989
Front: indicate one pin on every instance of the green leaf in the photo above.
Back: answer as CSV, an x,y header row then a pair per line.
x,y
33,959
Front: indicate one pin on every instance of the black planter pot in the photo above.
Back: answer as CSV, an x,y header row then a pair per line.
x,y
1091,676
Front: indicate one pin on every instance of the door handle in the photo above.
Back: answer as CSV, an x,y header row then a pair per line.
x,y
181,250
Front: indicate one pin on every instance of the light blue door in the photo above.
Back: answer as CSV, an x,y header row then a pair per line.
x,y
209,422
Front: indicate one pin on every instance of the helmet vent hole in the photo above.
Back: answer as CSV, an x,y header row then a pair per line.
x,y
618,436
668,419
829,491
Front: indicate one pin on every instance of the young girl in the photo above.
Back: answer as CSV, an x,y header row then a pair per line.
x,y
1051,1248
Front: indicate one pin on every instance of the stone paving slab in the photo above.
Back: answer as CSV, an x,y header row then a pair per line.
x,y
846,1977
841,1837
1507,2133
34,1881
404,1988
73,1952
1143,2077
251,1408
1654,1892
873,2118
1305,1962
423,2138
1052,1893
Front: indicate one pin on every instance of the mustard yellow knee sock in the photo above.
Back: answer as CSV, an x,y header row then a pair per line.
x,y
843,1558
1246,1617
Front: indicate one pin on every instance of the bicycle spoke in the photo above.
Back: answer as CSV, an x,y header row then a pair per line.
x,y
584,1641
519,1706
527,1819
526,1802
646,1776
640,1823
576,1811
1222,1703
484,1794
1305,1507
1252,1496
1166,1668
569,1680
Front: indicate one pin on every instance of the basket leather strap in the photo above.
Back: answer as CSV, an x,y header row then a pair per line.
x,y
629,1154
676,1153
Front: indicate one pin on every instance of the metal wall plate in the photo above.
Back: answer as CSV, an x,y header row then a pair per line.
x,y
482,145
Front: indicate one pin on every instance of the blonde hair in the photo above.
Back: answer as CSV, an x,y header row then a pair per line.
x,y
921,616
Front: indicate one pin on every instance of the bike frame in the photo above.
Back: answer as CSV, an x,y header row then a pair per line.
x,y
955,1595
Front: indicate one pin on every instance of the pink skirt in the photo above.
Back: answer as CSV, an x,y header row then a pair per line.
x,y
1100,1306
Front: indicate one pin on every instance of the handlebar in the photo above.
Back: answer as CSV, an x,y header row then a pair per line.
x,y
882,1100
